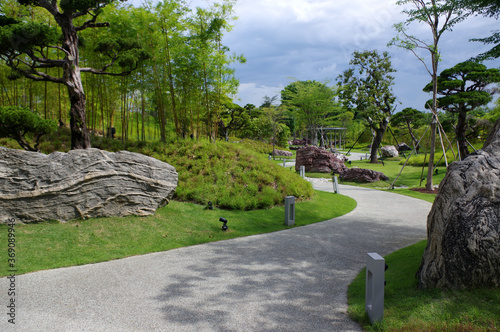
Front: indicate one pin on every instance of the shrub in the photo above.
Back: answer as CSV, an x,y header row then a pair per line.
x,y
17,122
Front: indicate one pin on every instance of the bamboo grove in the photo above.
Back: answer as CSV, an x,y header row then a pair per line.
x,y
179,91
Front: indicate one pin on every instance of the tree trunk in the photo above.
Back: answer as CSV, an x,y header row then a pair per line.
x,y
430,169
80,138
460,134
379,133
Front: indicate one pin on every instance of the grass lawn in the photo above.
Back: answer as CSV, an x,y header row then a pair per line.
x,y
410,177
409,309
52,245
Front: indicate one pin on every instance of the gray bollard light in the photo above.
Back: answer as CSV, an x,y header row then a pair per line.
x,y
335,184
284,161
374,296
303,171
289,210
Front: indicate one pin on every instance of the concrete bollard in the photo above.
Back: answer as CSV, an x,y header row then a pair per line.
x,y
374,296
289,210
335,184
303,171
284,161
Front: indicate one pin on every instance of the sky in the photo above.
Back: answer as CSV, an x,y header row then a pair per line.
x,y
288,40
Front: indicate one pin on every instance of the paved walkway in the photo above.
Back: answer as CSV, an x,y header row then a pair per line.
x,y
293,280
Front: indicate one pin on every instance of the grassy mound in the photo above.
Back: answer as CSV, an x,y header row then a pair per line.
x,y
228,174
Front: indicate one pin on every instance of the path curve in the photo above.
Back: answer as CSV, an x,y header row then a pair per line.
x,y
293,280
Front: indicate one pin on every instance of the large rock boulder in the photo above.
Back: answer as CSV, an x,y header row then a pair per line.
x,y
389,151
282,153
317,160
463,227
81,184
403,147
363,175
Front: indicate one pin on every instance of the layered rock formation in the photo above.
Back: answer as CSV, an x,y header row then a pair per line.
x,y
463,227
282,153
81,184
363,175
317,160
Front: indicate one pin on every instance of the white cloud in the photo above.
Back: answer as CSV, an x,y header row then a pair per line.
x,y
315,39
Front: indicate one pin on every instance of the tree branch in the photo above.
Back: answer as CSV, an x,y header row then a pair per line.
x,y
90,24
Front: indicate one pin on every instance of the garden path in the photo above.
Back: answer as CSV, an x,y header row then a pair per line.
x,y
293,280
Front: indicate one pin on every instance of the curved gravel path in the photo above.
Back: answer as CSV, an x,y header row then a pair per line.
x,y
293,280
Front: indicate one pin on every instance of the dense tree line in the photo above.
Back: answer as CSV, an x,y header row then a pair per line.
x,y
160,68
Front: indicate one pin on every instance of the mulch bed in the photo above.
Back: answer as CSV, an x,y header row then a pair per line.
x,y
425,191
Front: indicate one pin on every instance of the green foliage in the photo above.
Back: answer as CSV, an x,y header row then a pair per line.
x,y
463,87
19,37
366,87
17,122
227,174
418,160
410,309
312,103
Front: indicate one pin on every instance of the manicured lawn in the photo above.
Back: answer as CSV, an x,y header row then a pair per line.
x,y
52,245
409,309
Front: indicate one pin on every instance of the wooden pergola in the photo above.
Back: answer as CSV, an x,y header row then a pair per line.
x,y
330,136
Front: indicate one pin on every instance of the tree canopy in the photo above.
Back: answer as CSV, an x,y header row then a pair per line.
x,y
367,88
463,88
18,122
313,102
29,48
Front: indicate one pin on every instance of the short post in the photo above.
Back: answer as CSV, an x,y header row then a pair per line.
x,y
335,184
284,161
303,171
289,210
374,296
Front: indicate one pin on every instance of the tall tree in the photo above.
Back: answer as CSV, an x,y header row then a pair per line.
x,y
312,101
463,88
366,88
440,16
410,118
25,46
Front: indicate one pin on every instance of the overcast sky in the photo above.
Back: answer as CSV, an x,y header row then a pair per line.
x,y
287,40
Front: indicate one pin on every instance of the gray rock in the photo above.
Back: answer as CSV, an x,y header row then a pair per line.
x,y
81,184
389,151
363,175
463,227
317,160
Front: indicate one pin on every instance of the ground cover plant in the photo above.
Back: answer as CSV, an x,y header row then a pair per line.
x,y
179,224
230,175
409,309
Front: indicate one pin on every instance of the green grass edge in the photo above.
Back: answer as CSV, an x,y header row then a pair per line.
x,y
407,308
54,245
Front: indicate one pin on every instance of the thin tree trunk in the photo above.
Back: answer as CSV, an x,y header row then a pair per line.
x,y
460,134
